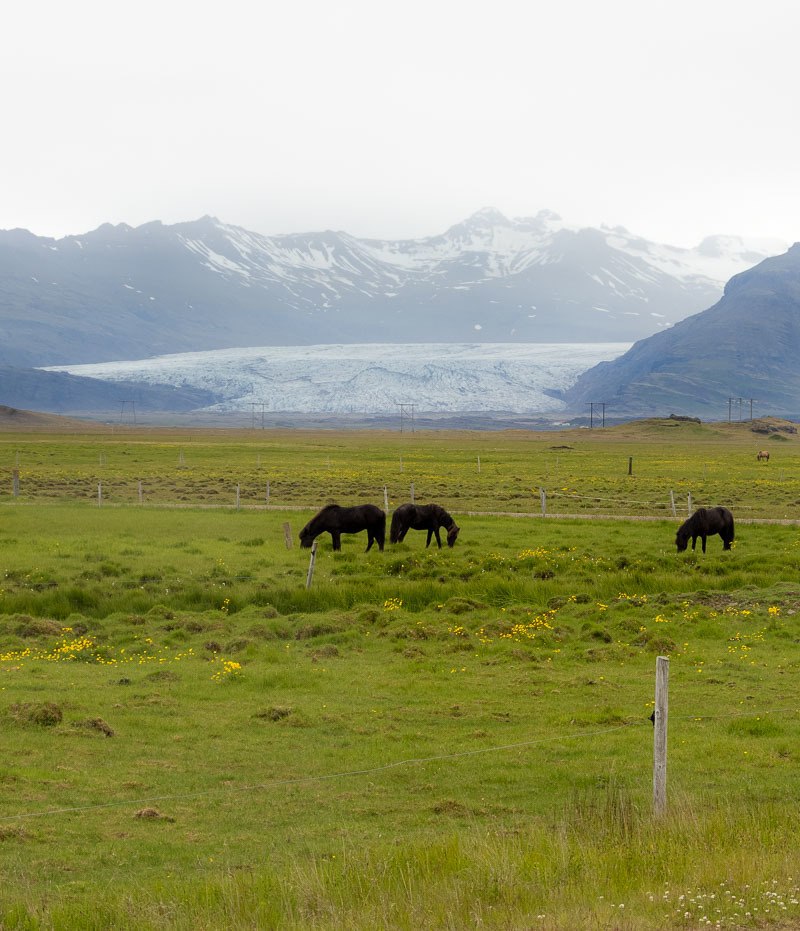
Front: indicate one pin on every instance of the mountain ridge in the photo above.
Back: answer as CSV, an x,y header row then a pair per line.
x,y
122,292
743,347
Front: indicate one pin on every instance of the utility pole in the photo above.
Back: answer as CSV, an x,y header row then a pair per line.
x,y
406,415
602,406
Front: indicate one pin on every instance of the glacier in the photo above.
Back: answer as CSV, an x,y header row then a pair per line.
x,y
524,378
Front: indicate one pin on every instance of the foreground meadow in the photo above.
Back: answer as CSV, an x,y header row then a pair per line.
x,y
424,738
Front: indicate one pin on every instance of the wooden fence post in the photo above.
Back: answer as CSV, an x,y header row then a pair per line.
x,y
140,491
479,465
238,492
287,535
99,494
15,482
267,492
689,502
385,499
311,562
630,465
660,736
543,496
412,492
672,503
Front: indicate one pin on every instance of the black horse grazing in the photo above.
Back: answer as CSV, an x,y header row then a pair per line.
x,y
428,517
336,520
705,522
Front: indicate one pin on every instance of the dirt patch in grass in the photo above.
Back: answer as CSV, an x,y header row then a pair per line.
x,y
152,814
37,627
274,713
98,725
41,714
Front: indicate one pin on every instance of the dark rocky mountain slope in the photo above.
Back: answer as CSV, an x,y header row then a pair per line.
x,y
746,346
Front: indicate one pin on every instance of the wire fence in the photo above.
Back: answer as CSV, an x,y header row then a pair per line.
x,y
539,502
384,767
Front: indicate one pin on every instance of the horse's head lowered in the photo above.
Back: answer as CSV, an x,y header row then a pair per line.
x,y
682,539
452,534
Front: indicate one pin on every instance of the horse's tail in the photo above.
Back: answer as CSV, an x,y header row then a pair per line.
x,y
396,528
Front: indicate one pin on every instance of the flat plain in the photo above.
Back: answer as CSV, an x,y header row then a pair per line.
x,y
422,738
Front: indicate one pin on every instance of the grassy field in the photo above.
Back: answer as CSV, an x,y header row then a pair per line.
x,y
582,471
424,738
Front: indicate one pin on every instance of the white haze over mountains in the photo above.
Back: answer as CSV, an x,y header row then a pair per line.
x,y
374,378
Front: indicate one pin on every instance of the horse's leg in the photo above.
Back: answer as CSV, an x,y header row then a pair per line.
x,y
370,540
438,538
694,540
703,538
336,538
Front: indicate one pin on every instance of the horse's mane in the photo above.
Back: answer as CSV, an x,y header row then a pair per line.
x,y
444,517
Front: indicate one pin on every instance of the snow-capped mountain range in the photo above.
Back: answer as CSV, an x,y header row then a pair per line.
x,y
130,293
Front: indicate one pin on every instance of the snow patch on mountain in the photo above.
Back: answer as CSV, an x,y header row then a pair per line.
x,y
374,378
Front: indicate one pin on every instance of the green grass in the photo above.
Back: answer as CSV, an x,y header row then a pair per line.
x,y
425,738
582,471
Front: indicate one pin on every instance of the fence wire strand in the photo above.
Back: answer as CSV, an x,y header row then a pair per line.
x,y
385,767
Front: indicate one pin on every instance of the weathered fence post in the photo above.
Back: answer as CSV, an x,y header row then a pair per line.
x,y
689,502
479,465
630,465
238,495
287,535
99,494
543,496
15,482
311,562
267,492
385,499
412,492
672,503
140,491
660,736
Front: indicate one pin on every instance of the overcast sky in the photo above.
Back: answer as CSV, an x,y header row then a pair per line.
x,y
675,119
